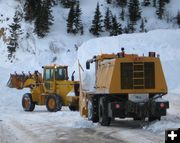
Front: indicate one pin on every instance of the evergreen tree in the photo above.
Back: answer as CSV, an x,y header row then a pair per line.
x,y
109,1
130,27
160,9
121,3
122,14
167,1
15,30
154,3
126,30
44,19
107,20
52,2
68,3
142,26
134,10
82,30
70,20
74,23
115,28
147,2
31,9
77,22
96,27
178,18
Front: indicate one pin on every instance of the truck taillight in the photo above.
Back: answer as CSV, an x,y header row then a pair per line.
x,y
117,106
162,105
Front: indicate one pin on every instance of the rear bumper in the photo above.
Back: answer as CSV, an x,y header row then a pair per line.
x,y
134,109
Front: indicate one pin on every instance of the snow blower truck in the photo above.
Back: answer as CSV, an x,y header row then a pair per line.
x,y
126,86
54,89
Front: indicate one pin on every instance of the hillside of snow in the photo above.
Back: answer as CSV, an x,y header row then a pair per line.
x,y
59,47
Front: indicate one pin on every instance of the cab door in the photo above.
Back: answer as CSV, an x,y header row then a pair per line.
x,y
49,80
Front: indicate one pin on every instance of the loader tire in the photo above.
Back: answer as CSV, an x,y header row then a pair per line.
x,y
27,102
53,103
73,108
104,120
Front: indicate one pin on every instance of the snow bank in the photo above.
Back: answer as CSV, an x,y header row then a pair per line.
x,y
164,42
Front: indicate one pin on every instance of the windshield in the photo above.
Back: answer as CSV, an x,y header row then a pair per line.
x,y
61,73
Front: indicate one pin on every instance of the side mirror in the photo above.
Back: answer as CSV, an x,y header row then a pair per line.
x,y
87,65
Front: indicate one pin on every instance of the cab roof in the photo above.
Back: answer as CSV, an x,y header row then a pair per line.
x,y
55,66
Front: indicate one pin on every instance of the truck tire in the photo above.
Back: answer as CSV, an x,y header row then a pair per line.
x,y
53,103
151,119
104,120
27,102
93,110
90,110
137,119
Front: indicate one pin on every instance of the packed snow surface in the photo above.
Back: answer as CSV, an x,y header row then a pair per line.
x,y
59,47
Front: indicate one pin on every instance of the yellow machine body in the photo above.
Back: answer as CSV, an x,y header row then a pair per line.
x,y
55,81
123,74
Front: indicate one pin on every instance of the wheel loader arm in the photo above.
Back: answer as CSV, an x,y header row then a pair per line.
x,y
29,83
20,81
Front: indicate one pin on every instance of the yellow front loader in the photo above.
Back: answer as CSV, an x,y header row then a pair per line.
x,y
53,89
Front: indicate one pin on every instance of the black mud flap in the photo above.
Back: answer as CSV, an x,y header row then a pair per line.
x,y
116,109
159,108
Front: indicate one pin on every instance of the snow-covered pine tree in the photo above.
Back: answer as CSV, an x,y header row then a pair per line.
x,y
116,27
78,22
142,26
154,3
15,30
107,20
160,8
31,9
96,27
52,2
67,3
44,19
122,3
126,30
130,27
167,1
109,1
70,20
134,10
178,18
122,14
147,2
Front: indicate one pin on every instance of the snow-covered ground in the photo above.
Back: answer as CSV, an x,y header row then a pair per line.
x,y
41,126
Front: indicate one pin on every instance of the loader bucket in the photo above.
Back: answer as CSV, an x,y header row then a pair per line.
x,y
17,80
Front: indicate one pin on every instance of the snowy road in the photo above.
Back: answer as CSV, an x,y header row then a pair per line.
x,y
17,126
121,132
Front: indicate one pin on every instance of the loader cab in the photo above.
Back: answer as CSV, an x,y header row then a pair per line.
x,y
52,74
61,73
